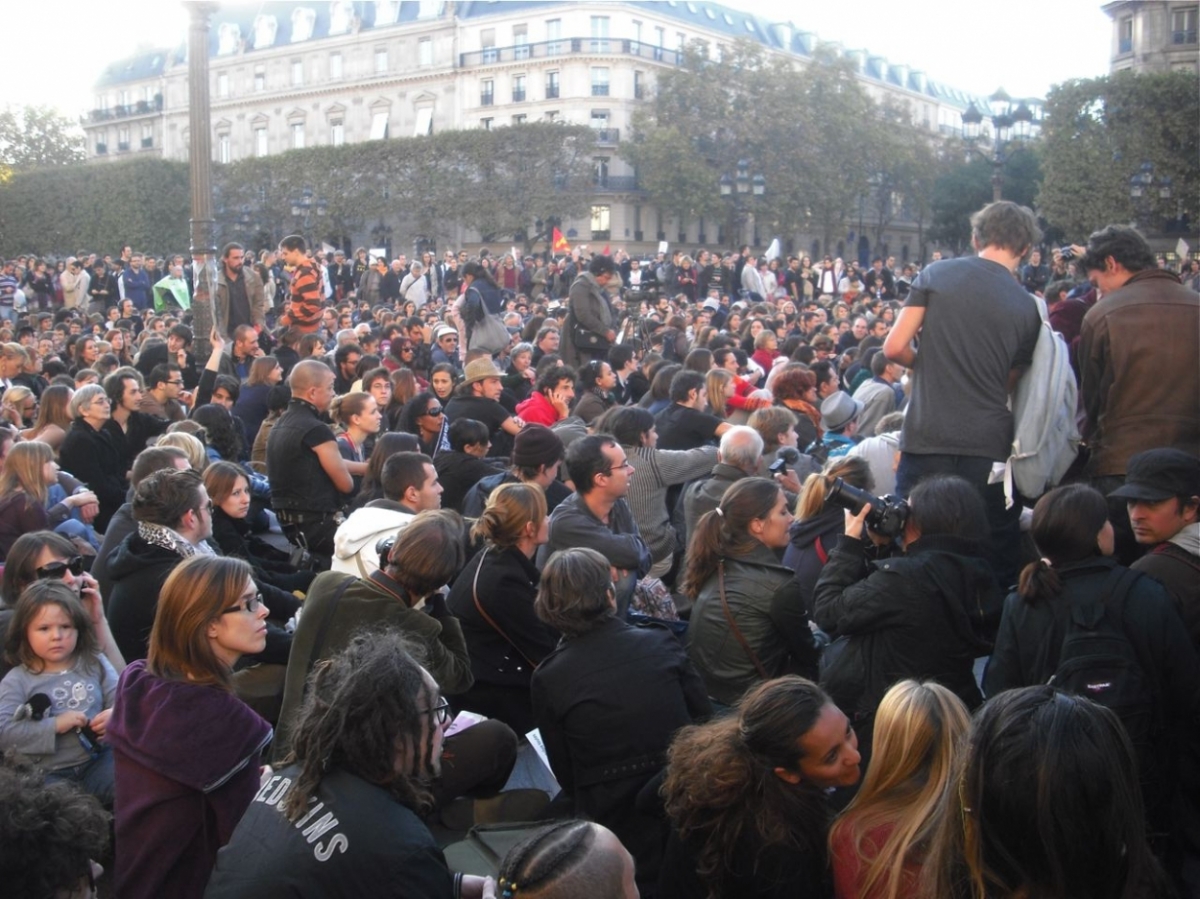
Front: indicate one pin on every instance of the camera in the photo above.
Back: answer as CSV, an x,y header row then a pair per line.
x,y
1067,253
888,514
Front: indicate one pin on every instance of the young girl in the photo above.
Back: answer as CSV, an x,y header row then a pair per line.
x,y
54,648
359,414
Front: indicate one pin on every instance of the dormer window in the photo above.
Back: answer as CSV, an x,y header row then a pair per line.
x,y
265,27
229,38
303,20
429,9
386,12
341,12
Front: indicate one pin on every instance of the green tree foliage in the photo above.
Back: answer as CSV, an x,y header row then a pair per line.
x,y
963,187
1098,133
60,210
818,138
497,182
37,136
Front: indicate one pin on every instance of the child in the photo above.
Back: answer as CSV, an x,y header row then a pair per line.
x,y
55,704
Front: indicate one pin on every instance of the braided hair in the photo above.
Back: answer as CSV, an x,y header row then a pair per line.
x,y
560,860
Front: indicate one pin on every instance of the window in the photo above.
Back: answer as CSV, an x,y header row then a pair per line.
x,y
303,20
297,72
600,171
265,27
639,87
386,12
124,98
520,119
486,124
341,13
1183,25
379,125
600,222
260,78
147,135
518,88
123,137
487,40
429,9
224,149
680,41
222,85
425,52
487,92
335,66
636,46
599,81
260,141
552,115
337,133
424,122
552,85
553,37
599,34
102,101
1125,35
229,39
600,119
520,42
297,135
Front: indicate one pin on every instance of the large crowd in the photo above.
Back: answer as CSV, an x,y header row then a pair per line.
x,y
731,542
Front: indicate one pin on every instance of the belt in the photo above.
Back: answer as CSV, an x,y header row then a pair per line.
x,y
294,516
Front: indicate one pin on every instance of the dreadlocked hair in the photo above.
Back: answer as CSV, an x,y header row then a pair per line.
x,y
360,706
560,860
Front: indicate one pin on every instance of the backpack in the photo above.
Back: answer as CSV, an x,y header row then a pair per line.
x,y
1045,434
1098,662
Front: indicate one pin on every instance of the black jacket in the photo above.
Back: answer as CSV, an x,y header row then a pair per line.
x,y
458,473
811,539
926,615
92,457
607,704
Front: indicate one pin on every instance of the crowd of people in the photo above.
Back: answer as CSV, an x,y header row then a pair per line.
x,y
731,540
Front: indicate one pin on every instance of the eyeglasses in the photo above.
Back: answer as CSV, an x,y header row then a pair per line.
x,y
208,506
175,383
248,604
433,411
58,569
441,712
449,339
624,466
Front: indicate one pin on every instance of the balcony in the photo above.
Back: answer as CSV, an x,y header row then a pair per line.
x,y
122,146
147,143
518,95
101,149
599,90
617,184
1125,45
142,107
608,135
551,91
487,99
575,46
639,92
1183,37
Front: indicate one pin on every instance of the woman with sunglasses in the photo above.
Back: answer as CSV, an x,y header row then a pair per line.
x,y
187,750
424,417
45,554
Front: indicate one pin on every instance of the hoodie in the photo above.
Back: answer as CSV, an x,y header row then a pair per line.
x,y
187,765
354,543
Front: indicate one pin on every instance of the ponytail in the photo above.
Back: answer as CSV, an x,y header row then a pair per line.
x,y
1039,582
725,530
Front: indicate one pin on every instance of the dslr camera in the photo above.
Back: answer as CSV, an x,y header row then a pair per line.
x,y
888,514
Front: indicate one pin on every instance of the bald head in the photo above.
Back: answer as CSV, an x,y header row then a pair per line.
x,y
308,375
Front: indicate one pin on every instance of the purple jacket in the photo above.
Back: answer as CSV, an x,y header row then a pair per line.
x,y
187,766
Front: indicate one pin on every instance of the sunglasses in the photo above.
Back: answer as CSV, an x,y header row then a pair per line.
x,y
433,411
58,569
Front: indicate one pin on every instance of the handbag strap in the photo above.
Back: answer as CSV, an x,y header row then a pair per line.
x,y
737,631
488,618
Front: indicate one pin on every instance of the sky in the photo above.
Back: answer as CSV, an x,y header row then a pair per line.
x,y
1024,46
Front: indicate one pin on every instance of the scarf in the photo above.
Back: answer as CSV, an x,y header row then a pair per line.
x,y
162,536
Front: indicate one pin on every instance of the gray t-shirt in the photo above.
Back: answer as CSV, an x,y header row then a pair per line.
x,y
979,324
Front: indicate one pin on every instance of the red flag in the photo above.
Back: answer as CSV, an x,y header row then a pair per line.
x,y
606,251
559,244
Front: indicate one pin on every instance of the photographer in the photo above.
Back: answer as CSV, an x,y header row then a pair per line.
x,y
927,614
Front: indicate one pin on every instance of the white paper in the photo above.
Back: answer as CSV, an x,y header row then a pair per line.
x,y
535,740
662,246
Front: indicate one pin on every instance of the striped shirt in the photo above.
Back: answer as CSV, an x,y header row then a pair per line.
x,y
306,301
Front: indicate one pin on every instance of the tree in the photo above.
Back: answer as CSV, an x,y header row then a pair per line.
x,y
37,136
964,187
1098,134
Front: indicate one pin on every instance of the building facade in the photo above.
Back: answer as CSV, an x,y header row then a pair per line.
x,y
288,75
1155,36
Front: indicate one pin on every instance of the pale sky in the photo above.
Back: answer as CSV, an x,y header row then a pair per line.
x,y
1023,45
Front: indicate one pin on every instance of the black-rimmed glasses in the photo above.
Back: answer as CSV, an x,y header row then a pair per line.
x,y
441,712
249,604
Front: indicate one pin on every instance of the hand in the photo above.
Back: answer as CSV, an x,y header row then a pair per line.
x,y
559,404
99,722
10,412
855,524
75,500
88,512
217,341
788,481
89,595
476,887
69,721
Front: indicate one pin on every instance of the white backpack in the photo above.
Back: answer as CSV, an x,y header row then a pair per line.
x,y
1045,434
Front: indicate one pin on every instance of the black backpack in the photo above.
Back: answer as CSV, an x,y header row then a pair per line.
x,y
1097,661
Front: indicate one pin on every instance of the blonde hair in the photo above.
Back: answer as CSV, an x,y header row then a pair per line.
x,y
918,727
715,383
23,469
852,469
197,457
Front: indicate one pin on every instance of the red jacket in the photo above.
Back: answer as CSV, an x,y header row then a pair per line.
x,y
538,410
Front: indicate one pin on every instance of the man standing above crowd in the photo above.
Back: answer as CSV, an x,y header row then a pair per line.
x,y
308,475
590,329
1137,360
305,299
241,299
135,283
978,329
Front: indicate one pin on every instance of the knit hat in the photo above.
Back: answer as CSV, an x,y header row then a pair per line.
x,y
838,410
536,445
480,370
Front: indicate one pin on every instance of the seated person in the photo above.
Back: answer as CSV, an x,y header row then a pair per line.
x,y
464,465
566,860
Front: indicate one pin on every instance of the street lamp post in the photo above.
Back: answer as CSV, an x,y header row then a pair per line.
x,y
1010,124
203,239
304,208
738,189
1142,188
